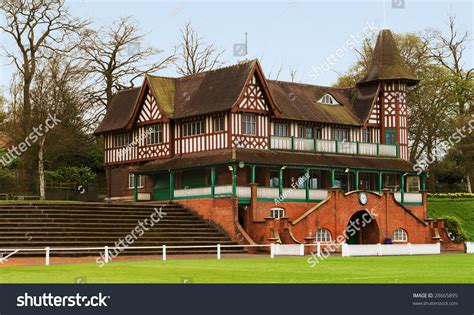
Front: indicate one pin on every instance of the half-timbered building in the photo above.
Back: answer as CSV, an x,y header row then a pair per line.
x,y
271,160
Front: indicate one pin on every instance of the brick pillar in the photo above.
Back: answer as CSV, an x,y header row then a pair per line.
x,y
335,195
424,196
386,195
253,201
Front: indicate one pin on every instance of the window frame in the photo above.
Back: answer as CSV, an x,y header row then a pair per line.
x,y
303,132
279,127
249,121
194,128
155,136
321,235
392,133
400,232
218,124
338,131
121,140
277,213
410,184
367,136
131,181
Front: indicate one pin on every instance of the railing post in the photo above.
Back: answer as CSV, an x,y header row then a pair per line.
x,y
357,148
315,144
301,249
318,249
47,256
410,249
213,181
164,252
357,180
292,143
306,183
379,249
218,251
106,254
337,146
378,149
397,151
272,250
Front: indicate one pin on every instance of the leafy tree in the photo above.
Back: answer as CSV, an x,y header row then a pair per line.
x,y
71,175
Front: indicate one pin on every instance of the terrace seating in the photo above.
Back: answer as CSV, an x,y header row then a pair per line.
x,y
68,225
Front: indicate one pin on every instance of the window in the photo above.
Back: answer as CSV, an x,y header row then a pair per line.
x,y
121,140
249,124
277,213
390,136
339,134
413,184
194,128
328,99
154,135
219,124
323,235
280,130
305,132
367,136
131,179
400,235
274,179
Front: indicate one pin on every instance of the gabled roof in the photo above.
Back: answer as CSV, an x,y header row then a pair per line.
x,y
119,110
301,102
386,63
362,99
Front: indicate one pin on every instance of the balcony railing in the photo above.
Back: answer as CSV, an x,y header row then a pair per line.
x,y
333,146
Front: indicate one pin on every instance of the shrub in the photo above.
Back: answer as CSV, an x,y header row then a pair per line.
x,y
454,227
451,195
71,175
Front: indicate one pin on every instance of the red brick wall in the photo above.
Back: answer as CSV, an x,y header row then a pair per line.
x,y
219,210
117,179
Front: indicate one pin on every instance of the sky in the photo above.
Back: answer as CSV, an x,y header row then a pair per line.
x,y
304,35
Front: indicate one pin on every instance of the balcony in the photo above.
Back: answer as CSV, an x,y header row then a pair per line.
x,y
333,146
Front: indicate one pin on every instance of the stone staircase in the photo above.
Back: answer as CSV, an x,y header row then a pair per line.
x,y
68,225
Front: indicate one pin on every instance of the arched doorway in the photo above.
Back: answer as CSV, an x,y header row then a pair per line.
x,y
362,229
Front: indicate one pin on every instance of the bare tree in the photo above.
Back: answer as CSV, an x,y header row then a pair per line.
x,y
195,55
448,51
115,57
36,27
293,72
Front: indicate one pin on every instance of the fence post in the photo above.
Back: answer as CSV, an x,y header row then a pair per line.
x,y
272,250
379,249
106,254
318,252
301,249
345,250
47,256
164,252
218,251
410,250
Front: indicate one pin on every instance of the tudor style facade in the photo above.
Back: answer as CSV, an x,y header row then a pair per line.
x,y
271,160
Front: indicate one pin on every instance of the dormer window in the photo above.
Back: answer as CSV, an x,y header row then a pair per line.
x,y
328,99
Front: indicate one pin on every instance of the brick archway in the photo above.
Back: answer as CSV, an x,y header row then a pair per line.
x,y
362,228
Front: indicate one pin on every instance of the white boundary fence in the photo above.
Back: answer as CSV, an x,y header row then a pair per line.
x,y
390,250
275,249
470,247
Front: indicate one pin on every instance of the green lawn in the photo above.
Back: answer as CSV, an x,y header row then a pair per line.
x,y
447,268
461,208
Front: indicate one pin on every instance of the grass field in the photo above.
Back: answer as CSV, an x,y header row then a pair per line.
x,y
461,208
447,268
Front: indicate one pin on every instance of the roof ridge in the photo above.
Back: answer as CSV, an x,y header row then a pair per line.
x,y
306,84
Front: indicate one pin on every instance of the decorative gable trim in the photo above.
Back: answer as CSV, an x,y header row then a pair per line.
x,y
255,96
375,113
146,109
